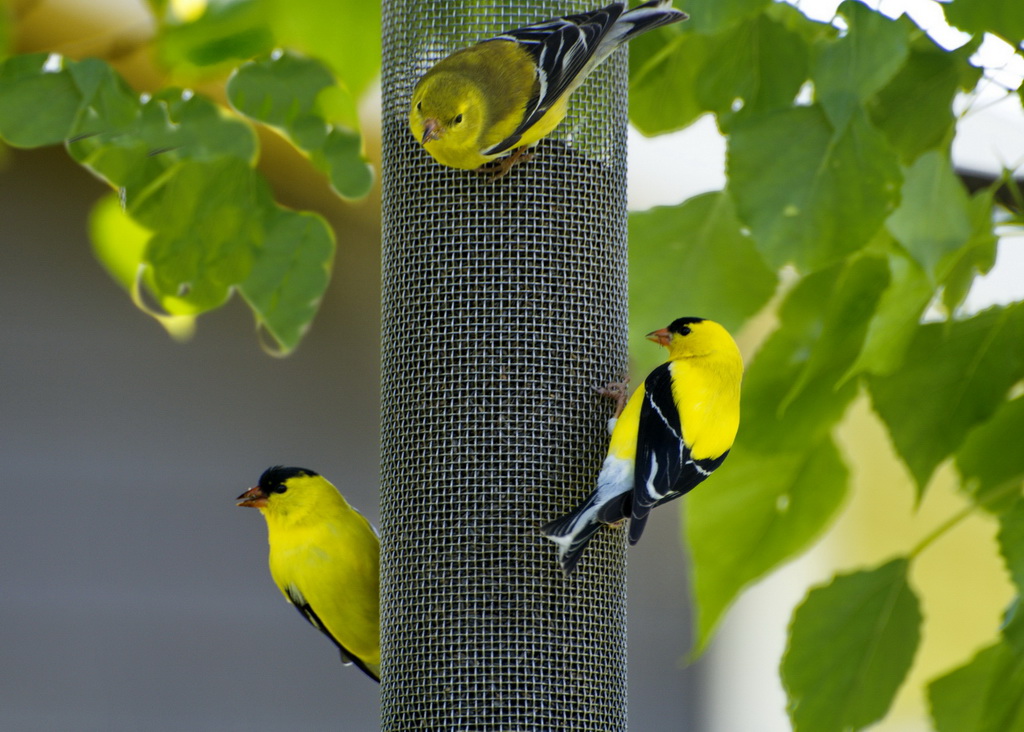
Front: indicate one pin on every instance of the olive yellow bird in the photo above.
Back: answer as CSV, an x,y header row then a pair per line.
x,y
325,559
504,94
672,434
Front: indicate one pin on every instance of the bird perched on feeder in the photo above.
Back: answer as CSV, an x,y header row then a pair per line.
x,y
502,95
325,559
672,434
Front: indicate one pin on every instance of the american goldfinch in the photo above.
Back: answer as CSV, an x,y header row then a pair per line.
x,y
506,93
673,433
325,558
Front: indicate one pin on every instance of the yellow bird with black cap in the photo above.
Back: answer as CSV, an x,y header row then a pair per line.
x,y
674,431
325,559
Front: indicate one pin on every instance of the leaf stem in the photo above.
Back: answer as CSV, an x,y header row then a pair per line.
x,y
956,518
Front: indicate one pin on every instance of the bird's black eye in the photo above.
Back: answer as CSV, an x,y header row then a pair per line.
x,y
419,106
457,120
685,330
279,488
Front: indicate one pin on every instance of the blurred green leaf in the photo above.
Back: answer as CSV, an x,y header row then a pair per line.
x,y
38,100
915,109
978,255
757,511
850,69
1011,535
1005,18
896,317
850,646
129,141
829,195
845,318
344,33
712,16
341,156
954,377
118,242
663,81
281,90
755,66
204,230
769,424
289,276
990,458
984,695
195,214
701,245
222,32
784,479
933,220
287,91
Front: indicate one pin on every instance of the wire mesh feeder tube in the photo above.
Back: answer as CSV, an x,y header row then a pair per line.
x,y
504,303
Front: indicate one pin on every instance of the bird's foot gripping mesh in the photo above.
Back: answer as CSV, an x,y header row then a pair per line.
x,y
504,304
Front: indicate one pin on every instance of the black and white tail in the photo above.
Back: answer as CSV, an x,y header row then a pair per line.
x,y
642,18
573,531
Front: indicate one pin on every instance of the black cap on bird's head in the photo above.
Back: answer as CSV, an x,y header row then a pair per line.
x,y
273,478
272,481
679,326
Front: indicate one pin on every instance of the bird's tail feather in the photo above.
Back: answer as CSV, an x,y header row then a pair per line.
x,y
573,531
642,18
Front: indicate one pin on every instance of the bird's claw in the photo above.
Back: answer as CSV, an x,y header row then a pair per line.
x,y
617,390
500,167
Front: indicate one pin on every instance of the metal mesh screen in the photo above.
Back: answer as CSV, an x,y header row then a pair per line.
x,y
503,304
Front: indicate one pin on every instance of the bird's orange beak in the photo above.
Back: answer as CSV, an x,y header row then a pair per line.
x,y
432,130
659,336
254,498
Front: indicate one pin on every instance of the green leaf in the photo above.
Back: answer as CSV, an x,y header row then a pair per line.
x,y
205,231
118,242
990,459
712,16
850,69
954,377
754,66
984,695
289,276
1013,620
281,90
131,143
38,100
342,157
699,243
933,219
851,644
977,256
845,318
224,32
829,195
288,92
756,512
915,109
663,81
769,424
1005,19
896,317
1011,538
344,33
784,479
